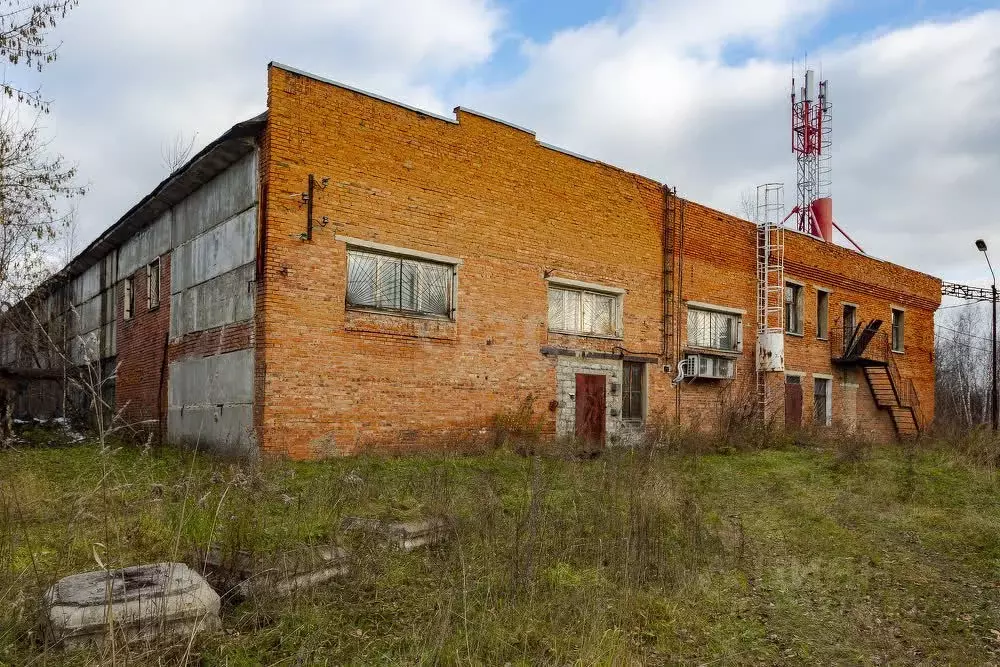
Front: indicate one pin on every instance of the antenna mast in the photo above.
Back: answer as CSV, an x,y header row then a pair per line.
x,y
812,116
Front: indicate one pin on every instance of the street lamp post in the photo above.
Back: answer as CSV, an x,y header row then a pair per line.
x,y
994,405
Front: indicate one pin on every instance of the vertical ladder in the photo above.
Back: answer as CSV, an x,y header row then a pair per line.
x,y
669,225
770,275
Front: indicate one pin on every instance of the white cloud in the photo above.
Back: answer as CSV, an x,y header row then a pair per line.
x,y
653,89
916,125
132,75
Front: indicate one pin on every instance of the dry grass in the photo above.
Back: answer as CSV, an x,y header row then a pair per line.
x,y
819,551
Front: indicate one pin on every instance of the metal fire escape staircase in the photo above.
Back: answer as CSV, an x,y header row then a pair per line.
x,y
868,347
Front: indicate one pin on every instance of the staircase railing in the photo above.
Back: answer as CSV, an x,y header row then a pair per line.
x,y
847,345
906,391
857,343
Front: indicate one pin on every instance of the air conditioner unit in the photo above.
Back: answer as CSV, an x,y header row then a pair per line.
x,y
710,367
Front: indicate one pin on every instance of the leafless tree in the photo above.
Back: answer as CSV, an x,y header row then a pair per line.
x,y
174,154
36,187
748,204
35,190
963,374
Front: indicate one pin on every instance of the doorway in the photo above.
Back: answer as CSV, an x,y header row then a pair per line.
x,y
793,402
591,404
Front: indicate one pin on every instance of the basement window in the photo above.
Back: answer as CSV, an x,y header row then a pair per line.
x,y
584,311
399,284
714,330
128,298
793,308
153,284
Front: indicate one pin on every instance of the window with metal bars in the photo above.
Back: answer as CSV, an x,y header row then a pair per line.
x,y
153,284
822,401
398,283
128,298
714,330
633,391
579,311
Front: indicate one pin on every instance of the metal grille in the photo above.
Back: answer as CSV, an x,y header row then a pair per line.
x,y
718,331
153,284
388,282
633,391
821,392
583,312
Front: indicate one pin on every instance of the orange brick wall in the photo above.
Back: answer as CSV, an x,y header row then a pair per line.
x,y
718,267
335,381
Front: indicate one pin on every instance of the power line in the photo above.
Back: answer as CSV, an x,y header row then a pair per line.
x,y
966,304
963,333
969,346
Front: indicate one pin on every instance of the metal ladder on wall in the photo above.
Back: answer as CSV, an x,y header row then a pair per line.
x,y
769,216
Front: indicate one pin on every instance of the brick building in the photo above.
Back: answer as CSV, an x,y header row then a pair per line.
x,y
346,272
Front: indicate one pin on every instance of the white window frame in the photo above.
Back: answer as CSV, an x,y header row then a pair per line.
x,y
382,250
902,329
616,294
828,380
150,304
799,307
643,392
128,298
826,334
715,310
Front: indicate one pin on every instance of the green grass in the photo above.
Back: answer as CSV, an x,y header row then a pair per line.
x,y
803,555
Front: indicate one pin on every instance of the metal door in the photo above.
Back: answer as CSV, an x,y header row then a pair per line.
x,y
793,405
590,410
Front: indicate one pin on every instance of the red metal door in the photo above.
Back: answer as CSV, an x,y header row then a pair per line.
x,y
793,405
590,410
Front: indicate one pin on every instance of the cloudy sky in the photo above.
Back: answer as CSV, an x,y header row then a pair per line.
x,y
693,93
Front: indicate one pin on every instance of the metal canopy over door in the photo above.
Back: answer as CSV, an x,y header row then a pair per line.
x,y
590,410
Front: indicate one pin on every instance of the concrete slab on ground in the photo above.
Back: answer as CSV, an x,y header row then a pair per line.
x,y
143,602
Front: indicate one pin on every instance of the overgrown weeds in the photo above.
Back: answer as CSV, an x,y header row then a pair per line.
x,y
819,550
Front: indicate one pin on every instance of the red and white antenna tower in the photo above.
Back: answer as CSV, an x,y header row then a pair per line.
x,y
811,124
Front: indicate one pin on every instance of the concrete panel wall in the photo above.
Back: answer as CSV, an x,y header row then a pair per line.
x,y
145,246
87,284
210,402
229,193
221,249
225,299
88,315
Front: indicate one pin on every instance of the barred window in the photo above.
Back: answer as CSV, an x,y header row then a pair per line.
x,y
633,391
128,298
153,284
583,312
392,282
822,400
714,330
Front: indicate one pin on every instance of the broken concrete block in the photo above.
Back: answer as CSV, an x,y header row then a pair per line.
x,y
405,535
242,574
143,602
